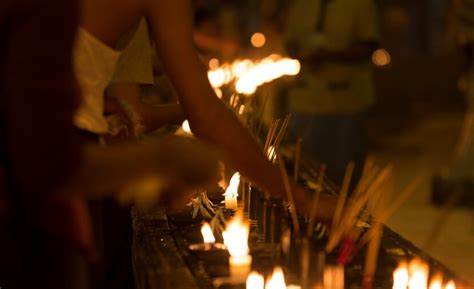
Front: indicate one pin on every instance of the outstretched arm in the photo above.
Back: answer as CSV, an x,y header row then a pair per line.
x,y
171,23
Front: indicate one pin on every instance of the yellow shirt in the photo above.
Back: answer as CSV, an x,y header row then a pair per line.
x,y
333,88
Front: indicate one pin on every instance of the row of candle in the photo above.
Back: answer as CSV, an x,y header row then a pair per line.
x,y
415,275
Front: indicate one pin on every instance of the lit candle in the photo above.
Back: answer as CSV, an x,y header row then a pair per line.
x,y
231,193
236,237
450,285
231,202
277,280
255,281
334,277
207,235
436,281
419,272
400,276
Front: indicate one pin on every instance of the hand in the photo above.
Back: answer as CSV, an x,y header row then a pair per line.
x,y
180,168
304,201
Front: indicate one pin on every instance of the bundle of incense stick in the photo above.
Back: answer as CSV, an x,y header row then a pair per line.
x,y
353,242
366,189
314,208
376,207
275,134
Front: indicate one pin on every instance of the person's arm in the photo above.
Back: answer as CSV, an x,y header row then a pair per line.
x,y
209,119
151,116
182,164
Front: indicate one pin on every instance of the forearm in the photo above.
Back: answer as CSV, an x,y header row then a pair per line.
x,y
151,116
104,171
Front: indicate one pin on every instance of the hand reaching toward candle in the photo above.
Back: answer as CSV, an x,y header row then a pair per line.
x,y
168,168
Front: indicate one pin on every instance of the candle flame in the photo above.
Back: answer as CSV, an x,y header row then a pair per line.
x,y
249,75
242,109
236,237
436,281
255,281
450,285
233,188
419,272
185,126
400,276
207,234
277,280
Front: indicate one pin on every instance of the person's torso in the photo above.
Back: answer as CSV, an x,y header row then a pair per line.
x,y
335,86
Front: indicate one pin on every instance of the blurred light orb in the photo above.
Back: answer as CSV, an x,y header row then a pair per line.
x,y
381,57
214,63
258,40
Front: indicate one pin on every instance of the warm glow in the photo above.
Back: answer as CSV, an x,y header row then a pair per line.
x,y
186,127
249,75
381,57
436,282
255,281
218,92
214,63
400,276
450,285
419,272
236,237
242,109
207,234
277,280
258,40
233,188
219,77
271,153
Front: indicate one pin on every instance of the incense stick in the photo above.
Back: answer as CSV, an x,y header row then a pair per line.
x,y
261,114
282,131
341,200
377,206
314,208
354,210
396,204
289,195
296,170
269,136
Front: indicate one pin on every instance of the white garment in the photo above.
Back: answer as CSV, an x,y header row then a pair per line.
x,y
94,64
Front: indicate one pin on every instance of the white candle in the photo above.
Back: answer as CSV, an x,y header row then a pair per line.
x,y
240,267
334,277
400,277
231,203
255,281
236,237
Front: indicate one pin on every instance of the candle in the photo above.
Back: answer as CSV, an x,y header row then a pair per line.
x,y
236,237
230,202
436,281
450,285
277,280
232,193
255,281
419,272
207,235
334,277
400,276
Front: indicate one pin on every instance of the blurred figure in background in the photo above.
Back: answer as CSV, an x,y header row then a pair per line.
x,y
458,177
329,102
